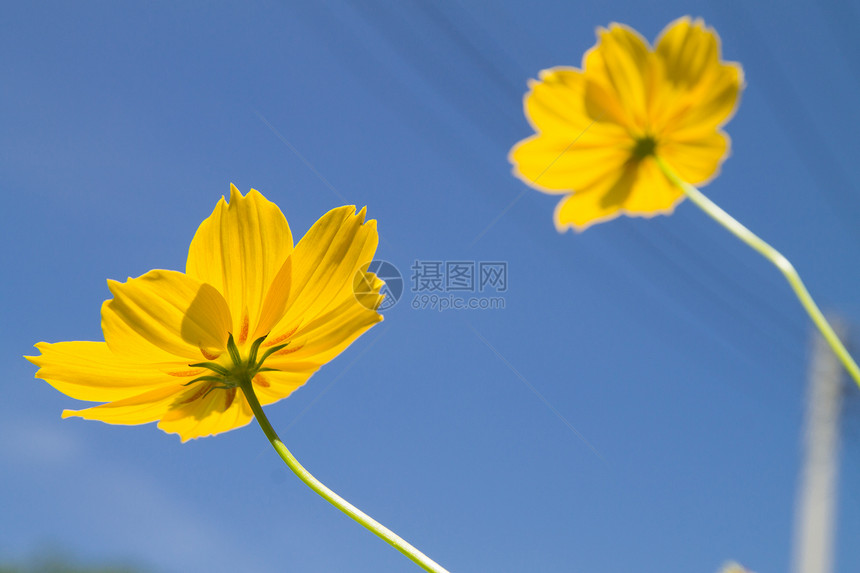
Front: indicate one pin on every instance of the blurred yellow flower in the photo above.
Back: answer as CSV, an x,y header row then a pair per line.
x,y
248,304
599,128
733,567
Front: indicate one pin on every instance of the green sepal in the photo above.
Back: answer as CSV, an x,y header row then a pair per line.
x,y
268,353
205,379
212,366
234,351
252,356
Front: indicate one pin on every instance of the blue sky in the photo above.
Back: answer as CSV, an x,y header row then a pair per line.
x,y
677,355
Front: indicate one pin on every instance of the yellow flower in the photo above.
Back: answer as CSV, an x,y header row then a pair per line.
x,y
733,567
248,304
599,128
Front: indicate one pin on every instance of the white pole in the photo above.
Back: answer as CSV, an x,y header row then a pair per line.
x,y
815,505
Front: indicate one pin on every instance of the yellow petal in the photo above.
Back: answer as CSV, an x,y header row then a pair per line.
x,y
715,102
324,264
275,302
688,51
555,165
557,101
641,190
273,386
697,160
239,249
141,409
700,91
617,70
557,105
366,287
90,371
651,193
163,316
194,415
581,210
320,340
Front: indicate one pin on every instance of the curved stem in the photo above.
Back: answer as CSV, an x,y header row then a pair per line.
x,y
386,534
775,257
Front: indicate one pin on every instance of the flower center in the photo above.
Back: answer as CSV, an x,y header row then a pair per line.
x,y
240,370
644,147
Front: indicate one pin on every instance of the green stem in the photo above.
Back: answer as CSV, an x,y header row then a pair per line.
x,y
386,534
775,257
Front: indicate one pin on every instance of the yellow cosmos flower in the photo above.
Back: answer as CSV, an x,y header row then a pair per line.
x,y
734,568
248,304
600,128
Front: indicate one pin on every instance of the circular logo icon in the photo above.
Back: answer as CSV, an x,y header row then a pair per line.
x,y
367,295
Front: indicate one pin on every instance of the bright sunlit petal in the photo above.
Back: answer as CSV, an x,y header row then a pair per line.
x,y
164,315
90,371
238,250
141,409
324,265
